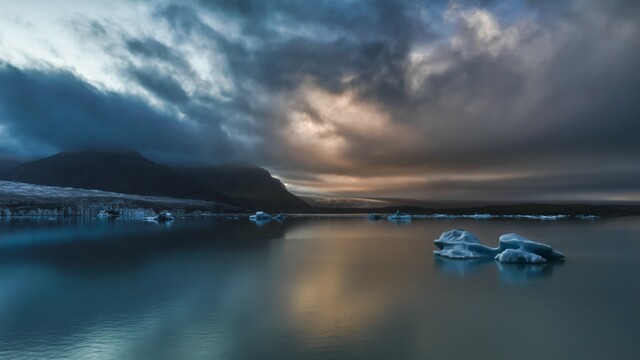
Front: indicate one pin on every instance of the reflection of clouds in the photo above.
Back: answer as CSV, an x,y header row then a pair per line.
x,y
324,302
338,290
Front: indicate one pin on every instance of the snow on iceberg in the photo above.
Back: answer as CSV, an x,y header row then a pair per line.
x,y
461,244
512,248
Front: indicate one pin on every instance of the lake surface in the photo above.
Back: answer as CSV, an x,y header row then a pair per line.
x,y
320,288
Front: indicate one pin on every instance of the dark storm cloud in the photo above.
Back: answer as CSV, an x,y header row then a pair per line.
x,y
153,49
548,187
163,86
61,112
541,92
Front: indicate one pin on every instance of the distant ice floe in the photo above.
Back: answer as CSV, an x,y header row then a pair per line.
x,y
512,248
587,217
493,216
262,217
162,217
399,216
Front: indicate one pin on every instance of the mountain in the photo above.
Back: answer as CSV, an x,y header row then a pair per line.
x,y
252,188
8,163
120,172
249,187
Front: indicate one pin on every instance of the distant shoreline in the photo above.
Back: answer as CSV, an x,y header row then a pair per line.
x,y
28,200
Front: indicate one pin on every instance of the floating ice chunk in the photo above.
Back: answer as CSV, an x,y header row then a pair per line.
x,y
462,244
398,216
163,216
260,215
518,242
587,217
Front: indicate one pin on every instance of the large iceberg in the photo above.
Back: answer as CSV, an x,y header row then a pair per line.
x,y
512,248
517,248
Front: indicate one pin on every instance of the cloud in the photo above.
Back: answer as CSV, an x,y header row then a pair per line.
x,y
59,111
404,92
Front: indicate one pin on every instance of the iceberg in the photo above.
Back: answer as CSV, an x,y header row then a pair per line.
x,y
519,245
374,217
512,248
398,216
587,217
461,244
162,217
260,216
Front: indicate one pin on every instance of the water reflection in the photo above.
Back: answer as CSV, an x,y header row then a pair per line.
x,y
509,273
308,289
461,268
514,274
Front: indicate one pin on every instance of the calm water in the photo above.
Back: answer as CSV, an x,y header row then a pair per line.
x,y
313,289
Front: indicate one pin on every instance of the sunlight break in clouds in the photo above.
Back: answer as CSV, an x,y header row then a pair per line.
x,y
407,91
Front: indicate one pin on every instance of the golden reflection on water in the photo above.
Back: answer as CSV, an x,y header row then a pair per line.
x,y
337,291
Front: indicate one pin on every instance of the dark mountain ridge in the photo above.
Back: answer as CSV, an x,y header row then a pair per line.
x,y
248,187
129,172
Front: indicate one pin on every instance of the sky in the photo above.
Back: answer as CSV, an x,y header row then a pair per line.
x,y
440,100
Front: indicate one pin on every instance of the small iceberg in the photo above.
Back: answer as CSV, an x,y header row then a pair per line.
x,y
260,216
512,248
587,217
375,217
108,214
162,217
399,216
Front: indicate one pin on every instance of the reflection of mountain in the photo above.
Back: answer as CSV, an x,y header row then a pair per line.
x,y
81,242
146,288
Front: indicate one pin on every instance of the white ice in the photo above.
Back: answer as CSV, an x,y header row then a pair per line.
x,y
462,244
398,216
260,215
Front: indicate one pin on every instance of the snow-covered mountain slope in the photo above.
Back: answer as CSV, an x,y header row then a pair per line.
x,y
21,199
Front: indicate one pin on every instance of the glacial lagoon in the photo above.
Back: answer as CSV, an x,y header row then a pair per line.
x,y
313,288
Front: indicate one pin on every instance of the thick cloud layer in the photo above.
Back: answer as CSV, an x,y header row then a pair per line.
x,y
463,100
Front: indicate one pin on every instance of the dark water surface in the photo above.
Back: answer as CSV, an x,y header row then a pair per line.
x,y
313,289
